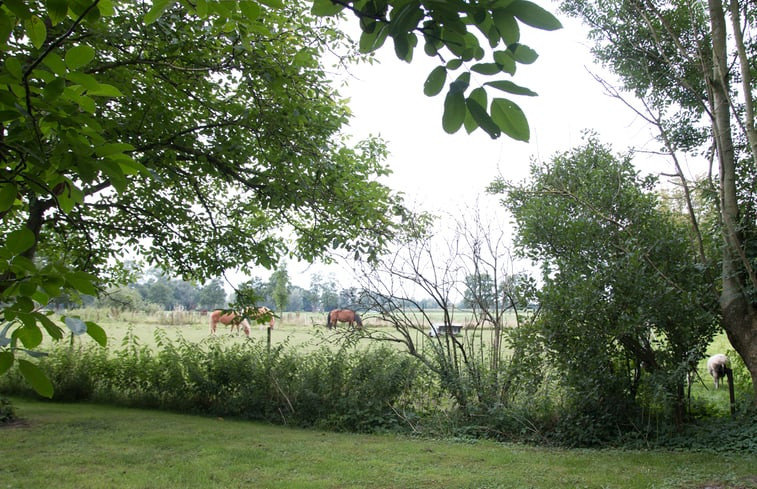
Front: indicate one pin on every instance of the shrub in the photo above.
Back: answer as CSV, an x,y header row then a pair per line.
x,y
7,411
350,390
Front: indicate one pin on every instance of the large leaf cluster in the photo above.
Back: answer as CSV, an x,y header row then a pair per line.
x,y
468,38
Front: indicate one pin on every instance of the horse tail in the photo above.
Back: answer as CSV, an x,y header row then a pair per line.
x,y
212,324
358,320
328,319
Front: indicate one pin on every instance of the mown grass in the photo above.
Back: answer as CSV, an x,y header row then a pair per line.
x,y
91,446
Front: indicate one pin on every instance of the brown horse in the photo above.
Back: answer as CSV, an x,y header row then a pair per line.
x,y
230,318
344,316
219,316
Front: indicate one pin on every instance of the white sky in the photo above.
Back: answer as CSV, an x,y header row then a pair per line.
x,y
444,173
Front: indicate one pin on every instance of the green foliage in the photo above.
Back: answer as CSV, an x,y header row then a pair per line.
x,y
461,35
625,312
345,390
7,411
194,149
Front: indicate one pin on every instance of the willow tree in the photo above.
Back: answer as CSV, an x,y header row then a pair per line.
x,y
691,64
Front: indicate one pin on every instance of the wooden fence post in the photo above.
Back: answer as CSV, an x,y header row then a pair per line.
x,y
729,375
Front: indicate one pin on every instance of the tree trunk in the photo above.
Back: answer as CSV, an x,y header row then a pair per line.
x,y
739,318
740,323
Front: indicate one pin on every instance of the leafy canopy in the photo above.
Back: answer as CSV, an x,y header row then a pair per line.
x,y
202,136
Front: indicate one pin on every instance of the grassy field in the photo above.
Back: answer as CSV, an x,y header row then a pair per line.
x,y
293,328
89,446
308,330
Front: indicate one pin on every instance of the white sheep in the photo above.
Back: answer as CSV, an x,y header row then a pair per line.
x,y
717,366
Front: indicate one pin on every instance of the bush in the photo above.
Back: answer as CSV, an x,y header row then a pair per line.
x,y
347,390
7,411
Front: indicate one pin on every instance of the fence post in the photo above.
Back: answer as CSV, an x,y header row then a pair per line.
x,y
729,375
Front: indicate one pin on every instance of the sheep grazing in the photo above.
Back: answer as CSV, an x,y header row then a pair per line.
x,y
717,366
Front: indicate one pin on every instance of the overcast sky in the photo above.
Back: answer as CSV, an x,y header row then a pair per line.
x,y
445,173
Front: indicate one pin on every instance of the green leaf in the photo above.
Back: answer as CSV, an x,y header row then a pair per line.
x,y
486,68
79,56
87,81
461,83
505,60
201,7
510,87
251,10
506,25
97,333
55,331
106,9
325,8
36,378
30,336
82,281
20,240
8,192
18,8
454,64
158,8
511,119
13,65
105,90
54,89
435,81
402,47
6,361
76,325
112,148
531,14
483,119
36,31
55,63
479,96
23,266
371,41
523,54
56,10
454,111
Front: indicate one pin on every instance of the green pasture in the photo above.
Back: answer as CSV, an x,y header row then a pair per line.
x,y
307,330
292,328
90,446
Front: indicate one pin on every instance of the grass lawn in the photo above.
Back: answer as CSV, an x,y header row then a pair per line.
x,y
89,446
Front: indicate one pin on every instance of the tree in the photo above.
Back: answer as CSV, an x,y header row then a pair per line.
x,y
472,368
691,65
280,287
120,299
212,295
160,292
296,299
625,314
193,134
185,294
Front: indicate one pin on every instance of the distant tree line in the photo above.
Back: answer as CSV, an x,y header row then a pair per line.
x,y
152,290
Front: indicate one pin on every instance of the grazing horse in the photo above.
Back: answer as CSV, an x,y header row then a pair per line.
x,y
218,316
344,316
